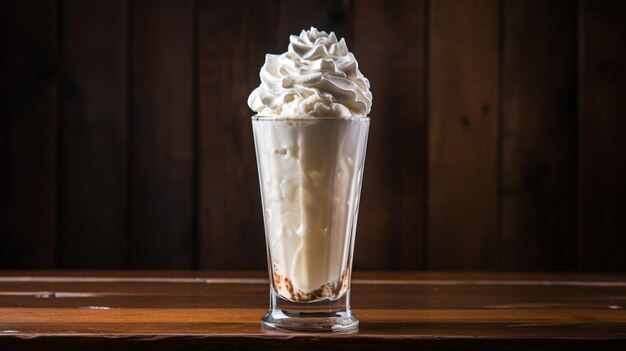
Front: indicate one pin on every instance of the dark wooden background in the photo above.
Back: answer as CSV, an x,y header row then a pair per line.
x,y
496,139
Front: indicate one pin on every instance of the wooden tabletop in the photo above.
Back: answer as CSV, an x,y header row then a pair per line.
x,y
207,310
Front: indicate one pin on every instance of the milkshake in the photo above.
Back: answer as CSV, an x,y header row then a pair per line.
x,y
310,135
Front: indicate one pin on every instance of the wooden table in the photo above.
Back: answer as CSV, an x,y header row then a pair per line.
x,y
216,310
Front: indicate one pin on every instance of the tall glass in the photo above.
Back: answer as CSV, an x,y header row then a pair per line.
x,y
310,172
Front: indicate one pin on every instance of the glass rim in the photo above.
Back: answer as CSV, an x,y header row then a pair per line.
x,y
308,118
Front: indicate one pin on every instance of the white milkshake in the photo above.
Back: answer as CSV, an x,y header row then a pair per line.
x,y
310,209
310,135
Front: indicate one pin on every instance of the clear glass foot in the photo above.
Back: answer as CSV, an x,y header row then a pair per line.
x,y
322,316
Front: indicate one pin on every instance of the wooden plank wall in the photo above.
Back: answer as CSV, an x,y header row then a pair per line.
x,y
93,159
30,129
495,144
161,144
602,103
463,134
538,189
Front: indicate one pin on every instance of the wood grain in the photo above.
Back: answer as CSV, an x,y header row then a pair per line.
x,y
29,110
463,135
539,134
4,131
94,137
391,225
325,15
162,154
233,38
412,310
475,158
307,342
602,145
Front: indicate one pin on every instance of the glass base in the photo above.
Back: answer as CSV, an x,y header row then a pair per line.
x,y
322,316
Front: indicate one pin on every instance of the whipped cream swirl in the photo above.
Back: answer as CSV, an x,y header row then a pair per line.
x,y
316,77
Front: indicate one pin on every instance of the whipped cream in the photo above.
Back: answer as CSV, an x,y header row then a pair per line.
x,y
316,77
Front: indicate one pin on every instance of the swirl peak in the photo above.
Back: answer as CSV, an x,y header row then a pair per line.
x,y
316,77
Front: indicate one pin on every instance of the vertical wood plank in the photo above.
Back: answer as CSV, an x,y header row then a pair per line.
x,y
602,125
29,110
389,43
4,134
93,184
162,139
539,141
325,15
233,38
463,134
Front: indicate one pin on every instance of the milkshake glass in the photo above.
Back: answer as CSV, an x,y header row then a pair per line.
x,y
310,173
